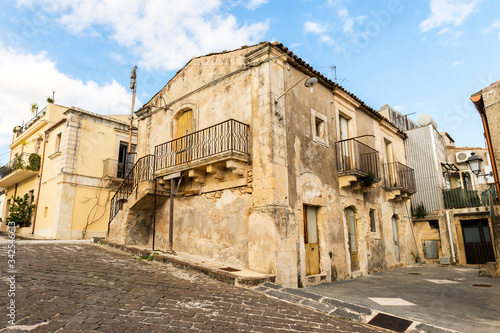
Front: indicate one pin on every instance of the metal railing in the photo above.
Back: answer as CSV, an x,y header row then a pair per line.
x,y
228,136
477,197
399,176
353,155
30,122
21,162
142,170
113,168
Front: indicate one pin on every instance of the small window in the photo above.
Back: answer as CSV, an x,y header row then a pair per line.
x,y
373,224
58,142
320,128
45,211
31,195
434,224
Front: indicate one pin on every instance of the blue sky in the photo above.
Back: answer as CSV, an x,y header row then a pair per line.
x,y
425,56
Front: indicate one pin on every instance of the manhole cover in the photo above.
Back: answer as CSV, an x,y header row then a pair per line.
x,y
390,322
230,269
414,273
482,285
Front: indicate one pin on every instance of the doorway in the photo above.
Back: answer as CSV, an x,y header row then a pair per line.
x,y
395,237
352,241
477,241
125,160
311,240
184,142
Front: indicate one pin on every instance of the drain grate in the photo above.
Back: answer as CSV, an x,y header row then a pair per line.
x,y
390,322
482,285
414,273
230,269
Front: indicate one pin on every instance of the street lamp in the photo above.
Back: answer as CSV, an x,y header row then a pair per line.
x,y
474,163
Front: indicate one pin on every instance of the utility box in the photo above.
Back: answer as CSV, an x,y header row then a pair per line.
x,y
445,260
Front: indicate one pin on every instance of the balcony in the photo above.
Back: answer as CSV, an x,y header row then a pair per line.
x,y
357,165
399,181
210,150
19,169
480,196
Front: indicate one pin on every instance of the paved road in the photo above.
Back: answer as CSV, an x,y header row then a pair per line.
x,y
450,297
76,287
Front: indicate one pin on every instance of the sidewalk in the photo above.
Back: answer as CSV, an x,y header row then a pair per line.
x,y
229,274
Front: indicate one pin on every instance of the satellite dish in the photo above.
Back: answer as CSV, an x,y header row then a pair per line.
x,y
310,82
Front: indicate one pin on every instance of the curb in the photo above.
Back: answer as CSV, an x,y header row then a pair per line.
x,y
215,273
340,308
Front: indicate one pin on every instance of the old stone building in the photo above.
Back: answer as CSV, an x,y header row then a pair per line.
x,y
487,104
308,184
458,204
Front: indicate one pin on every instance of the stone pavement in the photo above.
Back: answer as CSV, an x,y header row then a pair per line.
x,y
78,287
450,297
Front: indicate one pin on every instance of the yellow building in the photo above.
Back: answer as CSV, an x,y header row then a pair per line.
x,y
68,161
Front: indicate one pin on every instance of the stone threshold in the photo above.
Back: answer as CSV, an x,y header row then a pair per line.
x,y
338,308
240,277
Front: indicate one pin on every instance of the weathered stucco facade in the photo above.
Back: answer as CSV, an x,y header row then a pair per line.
x,y
78,168
458,226
286,197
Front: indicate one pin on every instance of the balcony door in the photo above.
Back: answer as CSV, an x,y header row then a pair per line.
x,y
389,160
125,161
183,143
345,149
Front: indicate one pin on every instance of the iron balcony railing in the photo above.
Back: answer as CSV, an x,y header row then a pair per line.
x,y
21,162
113,168
478,196
38,115
228,136
399,176
142,170
353,155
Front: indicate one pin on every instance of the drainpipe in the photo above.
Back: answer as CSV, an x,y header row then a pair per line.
x,y
452,247
45,138
479,104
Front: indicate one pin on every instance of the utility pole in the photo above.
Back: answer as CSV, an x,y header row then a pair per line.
x,y
133,76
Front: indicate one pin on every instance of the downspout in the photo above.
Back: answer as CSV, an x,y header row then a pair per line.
x,y
479,104
45,138
452,247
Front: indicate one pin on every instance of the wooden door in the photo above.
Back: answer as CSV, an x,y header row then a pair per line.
x,y
311,240
182,144
477,241
353,242
395,237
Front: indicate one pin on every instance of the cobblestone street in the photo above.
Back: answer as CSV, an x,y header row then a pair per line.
x,y
75,287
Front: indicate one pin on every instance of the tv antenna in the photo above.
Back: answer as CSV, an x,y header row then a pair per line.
x,y
334,69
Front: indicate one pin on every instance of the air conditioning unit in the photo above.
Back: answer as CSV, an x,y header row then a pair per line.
x,y
463,156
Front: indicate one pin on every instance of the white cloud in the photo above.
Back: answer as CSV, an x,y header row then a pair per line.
x,y
315,27
494,26
162,34
29,78
252,4
457,63
448,12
